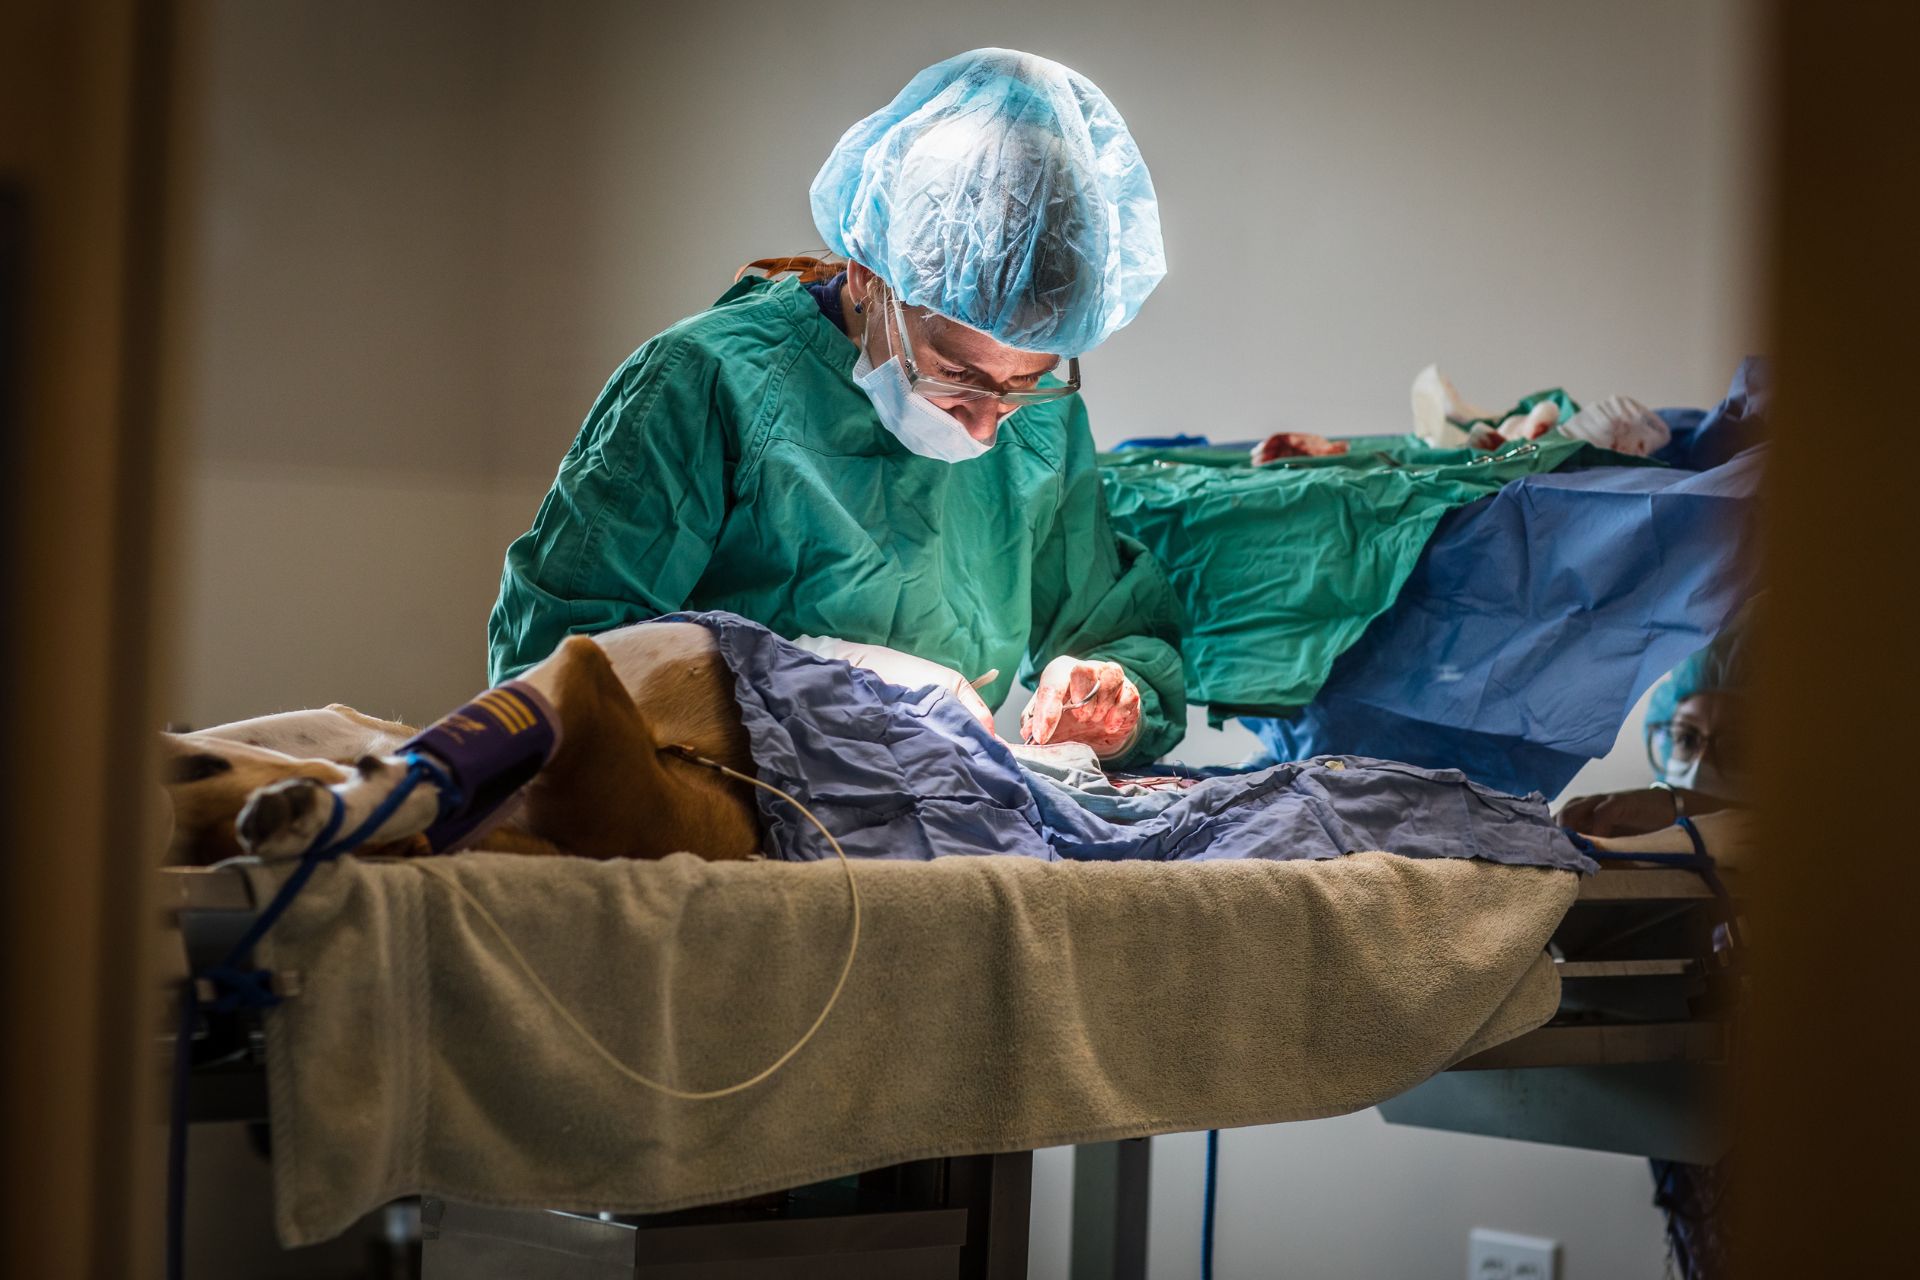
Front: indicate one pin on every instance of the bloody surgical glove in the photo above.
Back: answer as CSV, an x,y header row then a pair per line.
x,y
1622,424
1295,444
900,668
1083,701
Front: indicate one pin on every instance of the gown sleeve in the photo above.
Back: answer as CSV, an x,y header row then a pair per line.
x,y
632,518
1101,595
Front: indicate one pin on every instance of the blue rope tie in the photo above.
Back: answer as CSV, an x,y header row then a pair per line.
x,y
325,848
1208,1204
236,986
1699,860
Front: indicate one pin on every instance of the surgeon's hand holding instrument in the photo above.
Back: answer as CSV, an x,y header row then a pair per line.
x,y
1081,700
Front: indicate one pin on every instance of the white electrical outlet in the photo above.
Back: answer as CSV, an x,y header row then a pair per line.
x,y
1501,1255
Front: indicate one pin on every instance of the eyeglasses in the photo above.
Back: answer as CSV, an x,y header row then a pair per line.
x,y
939,389
1668,740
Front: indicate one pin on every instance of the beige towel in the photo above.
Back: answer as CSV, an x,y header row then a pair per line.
x,y
996,1004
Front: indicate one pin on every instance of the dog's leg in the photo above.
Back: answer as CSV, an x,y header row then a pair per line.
x,y
506,729
608,792
209,780
336,732
284,819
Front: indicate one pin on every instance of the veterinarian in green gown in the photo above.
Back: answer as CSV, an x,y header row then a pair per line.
x,y
778,458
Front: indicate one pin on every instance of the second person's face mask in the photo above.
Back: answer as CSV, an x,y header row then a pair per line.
x,y
1683,774
915,421
1700,775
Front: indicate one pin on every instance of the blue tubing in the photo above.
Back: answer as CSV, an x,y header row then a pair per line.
x,y
1207,1205
177,1134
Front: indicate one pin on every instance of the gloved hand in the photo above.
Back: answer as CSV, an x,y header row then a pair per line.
x,y
1622,424
900,668
1295,444
1082,701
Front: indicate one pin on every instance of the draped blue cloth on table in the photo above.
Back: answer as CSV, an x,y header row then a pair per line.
x,y
910,774
1537,617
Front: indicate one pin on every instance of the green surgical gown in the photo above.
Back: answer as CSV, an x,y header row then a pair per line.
x,y
732,463
1279,569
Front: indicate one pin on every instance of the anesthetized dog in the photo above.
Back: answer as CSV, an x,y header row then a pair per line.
x,y
621,711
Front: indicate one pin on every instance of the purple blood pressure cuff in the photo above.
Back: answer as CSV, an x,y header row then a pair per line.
x,y
489,749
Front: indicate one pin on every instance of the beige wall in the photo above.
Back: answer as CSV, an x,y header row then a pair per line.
x,y
429,231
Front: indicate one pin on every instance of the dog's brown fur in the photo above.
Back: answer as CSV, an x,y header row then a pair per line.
x,y
608,790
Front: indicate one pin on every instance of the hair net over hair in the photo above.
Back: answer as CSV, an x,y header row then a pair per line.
x,y
1003,191
1724,665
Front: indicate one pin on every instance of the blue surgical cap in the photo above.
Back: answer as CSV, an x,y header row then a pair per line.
x,y
1003,191
1723,666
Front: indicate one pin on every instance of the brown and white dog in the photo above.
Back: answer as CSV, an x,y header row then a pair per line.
x,y
261,786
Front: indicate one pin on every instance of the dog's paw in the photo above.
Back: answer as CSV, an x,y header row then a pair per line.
x,y
283,819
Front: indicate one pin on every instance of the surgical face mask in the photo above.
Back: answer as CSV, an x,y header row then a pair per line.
x,y
1700,774
915,421
1683,773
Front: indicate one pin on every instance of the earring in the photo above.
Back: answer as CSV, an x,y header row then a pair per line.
x,y
859,308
